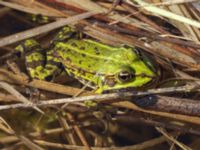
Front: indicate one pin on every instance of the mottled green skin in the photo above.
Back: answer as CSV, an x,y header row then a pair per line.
x,y
90,61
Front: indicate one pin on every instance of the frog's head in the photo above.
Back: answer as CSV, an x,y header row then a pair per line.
x,y
138,73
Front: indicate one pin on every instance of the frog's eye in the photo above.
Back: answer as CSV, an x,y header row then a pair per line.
x,y
125,76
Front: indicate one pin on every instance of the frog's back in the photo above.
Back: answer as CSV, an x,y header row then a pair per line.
x,y
93,56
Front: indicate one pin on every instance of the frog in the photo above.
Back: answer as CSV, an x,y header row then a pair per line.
x,y
100,66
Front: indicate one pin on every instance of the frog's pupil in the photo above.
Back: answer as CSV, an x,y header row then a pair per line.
x,y
125,76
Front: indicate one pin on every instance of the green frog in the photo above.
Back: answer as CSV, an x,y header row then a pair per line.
x,y
97,65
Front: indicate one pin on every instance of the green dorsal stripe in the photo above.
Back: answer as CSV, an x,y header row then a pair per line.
x,y
76,49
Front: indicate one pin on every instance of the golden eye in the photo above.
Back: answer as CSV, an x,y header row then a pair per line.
x,y
125,76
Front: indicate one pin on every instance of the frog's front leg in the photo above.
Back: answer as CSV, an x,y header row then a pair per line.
x,y
54,62
39,63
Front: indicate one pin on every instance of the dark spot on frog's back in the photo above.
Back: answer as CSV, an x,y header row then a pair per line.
x,y
82,72
83,55
98,53
80,61
69,51
96,50
68,60
74,44
34,64
82,48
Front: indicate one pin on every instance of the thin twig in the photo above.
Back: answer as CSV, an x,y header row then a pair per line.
x,y
118,95
173,2
181,145
29,143
29,9
7,76
165,13
19,96
139,146
78,132
153,121
43,29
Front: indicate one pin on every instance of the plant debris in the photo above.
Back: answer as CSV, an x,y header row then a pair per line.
x,y
65,114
